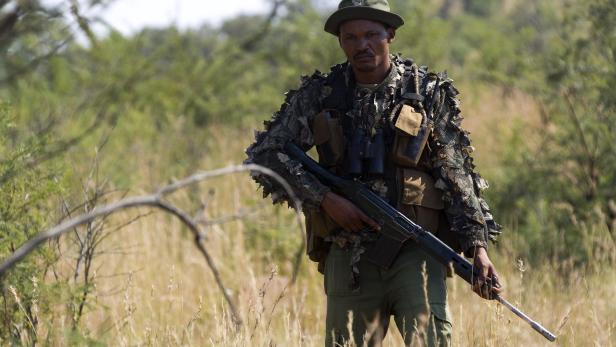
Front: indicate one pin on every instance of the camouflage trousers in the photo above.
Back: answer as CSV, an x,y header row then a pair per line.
x,y
416,298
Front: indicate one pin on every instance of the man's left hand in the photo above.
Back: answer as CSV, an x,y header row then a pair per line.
x,y
485,270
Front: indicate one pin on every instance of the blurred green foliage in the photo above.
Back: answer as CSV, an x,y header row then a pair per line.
x,y
25,193
566,186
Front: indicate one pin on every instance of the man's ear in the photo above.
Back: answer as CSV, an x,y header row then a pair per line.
x,y
391,35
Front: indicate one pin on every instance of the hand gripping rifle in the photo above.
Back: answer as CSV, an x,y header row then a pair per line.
x,y
396,229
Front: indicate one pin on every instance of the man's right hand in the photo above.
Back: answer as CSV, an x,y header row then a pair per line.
x,y
346,214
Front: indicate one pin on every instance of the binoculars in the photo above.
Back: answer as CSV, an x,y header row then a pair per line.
x,y
366,154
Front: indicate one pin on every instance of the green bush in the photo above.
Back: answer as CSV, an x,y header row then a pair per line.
x,y
561,192
25,191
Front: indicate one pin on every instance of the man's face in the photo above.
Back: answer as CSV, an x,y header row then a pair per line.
x,y
365,43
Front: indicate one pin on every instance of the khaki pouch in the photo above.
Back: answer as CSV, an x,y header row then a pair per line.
x,y
423,203
411,137
328,137
420,189
318,226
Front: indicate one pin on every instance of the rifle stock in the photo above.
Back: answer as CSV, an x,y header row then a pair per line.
x,y
396,229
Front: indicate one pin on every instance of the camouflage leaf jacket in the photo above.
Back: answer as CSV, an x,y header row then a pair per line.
x,y
450,149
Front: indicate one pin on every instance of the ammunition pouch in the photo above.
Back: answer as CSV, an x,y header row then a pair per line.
x,y
411,137
329,138
318,226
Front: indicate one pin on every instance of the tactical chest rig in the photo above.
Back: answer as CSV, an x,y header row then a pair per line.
x,y
397,151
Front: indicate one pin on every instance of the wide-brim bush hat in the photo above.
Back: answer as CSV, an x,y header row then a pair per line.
x,y
376,10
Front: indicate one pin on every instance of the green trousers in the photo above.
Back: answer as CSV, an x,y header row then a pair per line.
x,y
361,317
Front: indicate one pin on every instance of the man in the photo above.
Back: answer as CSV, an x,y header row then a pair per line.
x,y
396,128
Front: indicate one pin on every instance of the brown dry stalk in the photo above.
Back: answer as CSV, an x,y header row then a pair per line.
x,y
156,200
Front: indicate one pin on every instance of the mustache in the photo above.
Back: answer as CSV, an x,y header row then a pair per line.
x,y
363,54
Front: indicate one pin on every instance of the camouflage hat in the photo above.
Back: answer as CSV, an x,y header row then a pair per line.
x,y
376,10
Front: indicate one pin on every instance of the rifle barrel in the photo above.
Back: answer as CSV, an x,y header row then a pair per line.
x,y
538,327
401,229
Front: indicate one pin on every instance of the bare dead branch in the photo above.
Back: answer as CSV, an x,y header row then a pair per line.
x,y
239,215
32,64
251,41
156,200
83,22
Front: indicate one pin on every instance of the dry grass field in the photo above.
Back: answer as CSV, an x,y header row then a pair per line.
x,y
153,288
169,298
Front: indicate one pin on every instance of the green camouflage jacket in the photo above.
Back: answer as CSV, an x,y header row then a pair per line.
x,y
468,214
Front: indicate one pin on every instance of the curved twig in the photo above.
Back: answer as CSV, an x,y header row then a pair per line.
x,y
156,200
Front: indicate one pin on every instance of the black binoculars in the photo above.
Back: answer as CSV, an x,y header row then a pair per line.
x,y
366,154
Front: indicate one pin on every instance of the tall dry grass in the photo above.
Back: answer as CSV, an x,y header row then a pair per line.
x,y
153,288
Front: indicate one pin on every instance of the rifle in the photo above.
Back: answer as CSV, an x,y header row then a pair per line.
x,y
396,229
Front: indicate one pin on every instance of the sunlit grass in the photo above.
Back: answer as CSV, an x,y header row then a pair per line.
x,y
154,288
